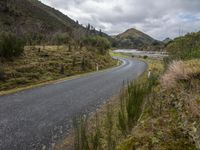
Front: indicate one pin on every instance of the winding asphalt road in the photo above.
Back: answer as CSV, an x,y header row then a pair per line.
x,y
37,118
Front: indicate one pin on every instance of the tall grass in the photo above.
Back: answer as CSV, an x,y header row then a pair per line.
x,y
131,102
122,114
91,137
86,138
81,141
96,135
109,129
103,136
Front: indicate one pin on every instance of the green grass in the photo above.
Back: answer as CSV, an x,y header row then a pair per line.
x,y
131,102
119,54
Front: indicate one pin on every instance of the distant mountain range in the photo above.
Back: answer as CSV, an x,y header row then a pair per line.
x,y
136,39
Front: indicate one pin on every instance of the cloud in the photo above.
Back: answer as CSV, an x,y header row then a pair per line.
x,y
159,18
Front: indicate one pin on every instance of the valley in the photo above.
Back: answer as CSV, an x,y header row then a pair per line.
x,y
71,79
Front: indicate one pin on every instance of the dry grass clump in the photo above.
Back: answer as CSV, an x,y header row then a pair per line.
x,y
179,71
175,72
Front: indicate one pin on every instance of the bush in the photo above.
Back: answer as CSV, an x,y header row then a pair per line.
x,y
185,47
10,45
145,57
101,43
2,74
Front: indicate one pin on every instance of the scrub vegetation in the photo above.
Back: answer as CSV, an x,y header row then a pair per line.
x,y
39,64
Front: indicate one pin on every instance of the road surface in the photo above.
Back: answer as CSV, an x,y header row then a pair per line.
x,y
37,118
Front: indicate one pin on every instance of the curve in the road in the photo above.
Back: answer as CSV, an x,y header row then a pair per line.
x,y
36,118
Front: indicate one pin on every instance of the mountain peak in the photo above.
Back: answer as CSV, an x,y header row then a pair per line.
x,y
133,38
132,32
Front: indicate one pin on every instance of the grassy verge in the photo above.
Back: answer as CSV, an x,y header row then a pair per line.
x,y
41,65
118,54
170,119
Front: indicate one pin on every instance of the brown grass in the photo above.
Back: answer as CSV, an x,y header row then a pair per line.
x,y
40,64
179,70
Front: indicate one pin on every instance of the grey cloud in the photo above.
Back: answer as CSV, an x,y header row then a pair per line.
x,y
159,18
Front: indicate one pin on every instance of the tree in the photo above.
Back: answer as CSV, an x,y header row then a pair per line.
x,y
100,33
88,27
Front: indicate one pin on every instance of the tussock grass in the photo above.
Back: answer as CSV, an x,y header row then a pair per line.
x,y
179,70
131,102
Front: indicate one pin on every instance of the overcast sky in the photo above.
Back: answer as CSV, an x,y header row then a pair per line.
x,y
158,18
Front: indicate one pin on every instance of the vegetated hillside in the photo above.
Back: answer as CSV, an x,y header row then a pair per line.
x,y
39,43
40,64
38,22
135,39
167,40
185,47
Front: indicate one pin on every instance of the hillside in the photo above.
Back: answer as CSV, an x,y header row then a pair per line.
x,y
34,20
167,40
39,44
185,47
135,39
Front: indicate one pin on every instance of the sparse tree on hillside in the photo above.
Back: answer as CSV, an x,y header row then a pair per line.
x,y
100,33
88,27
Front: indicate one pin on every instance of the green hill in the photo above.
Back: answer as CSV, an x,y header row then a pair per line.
x,y
185,47
167,40
135,39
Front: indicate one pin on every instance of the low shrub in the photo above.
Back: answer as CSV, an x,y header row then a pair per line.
x,y
145,57
2,74
10,45
101,43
